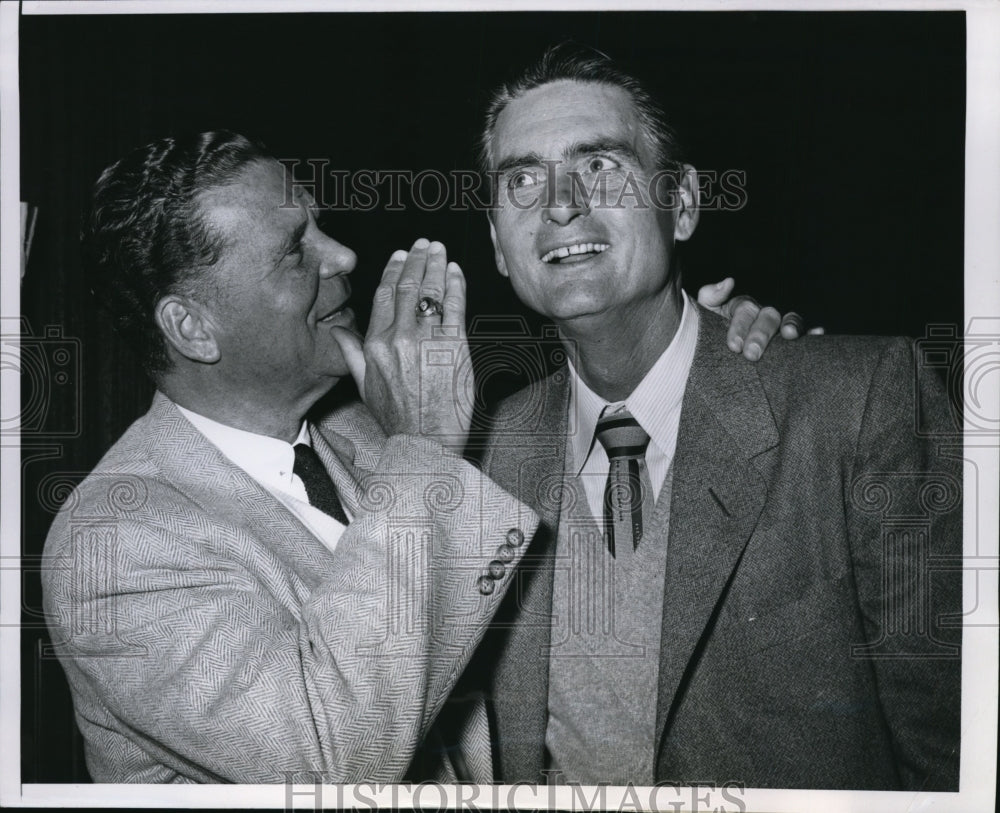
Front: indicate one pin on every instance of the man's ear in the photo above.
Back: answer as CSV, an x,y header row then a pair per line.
x,y
688,210
188,328
497,253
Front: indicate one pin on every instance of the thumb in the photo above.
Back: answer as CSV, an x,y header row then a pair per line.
x,y
353,350
712,296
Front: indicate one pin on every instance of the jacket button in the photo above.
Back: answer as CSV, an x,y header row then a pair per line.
x,y
496,569
486,585
505,553
515,537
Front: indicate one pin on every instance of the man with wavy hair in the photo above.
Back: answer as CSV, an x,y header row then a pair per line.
x,y
711,595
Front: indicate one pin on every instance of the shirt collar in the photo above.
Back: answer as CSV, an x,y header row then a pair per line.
x,y
268,460
652,403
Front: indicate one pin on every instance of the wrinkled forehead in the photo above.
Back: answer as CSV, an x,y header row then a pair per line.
x,y
547,120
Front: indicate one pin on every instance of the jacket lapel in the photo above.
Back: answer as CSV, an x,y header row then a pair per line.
x,y
717,497
349,441
532,469
230,496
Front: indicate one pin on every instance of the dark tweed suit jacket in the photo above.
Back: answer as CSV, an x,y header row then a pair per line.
x,y
806,639
208,636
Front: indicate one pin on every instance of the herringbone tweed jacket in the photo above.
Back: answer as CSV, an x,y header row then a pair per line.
x,y
812,602
207,636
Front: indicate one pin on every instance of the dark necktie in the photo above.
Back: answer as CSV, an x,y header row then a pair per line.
x,y
319,487
628,492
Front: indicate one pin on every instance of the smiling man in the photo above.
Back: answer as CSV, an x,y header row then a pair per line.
x,y
239,592
712,595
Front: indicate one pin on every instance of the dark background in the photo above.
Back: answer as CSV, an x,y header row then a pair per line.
x,y
849,127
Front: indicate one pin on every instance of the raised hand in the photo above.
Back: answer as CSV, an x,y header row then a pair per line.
x,y
414,371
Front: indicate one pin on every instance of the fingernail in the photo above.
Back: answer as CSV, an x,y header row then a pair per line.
x,y
422,243
753,352
399,255
436,247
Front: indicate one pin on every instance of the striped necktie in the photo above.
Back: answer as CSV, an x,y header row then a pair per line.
x,y
319,487
628,493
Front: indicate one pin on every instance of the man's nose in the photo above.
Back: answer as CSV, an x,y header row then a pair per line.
x,y
335,258
565,200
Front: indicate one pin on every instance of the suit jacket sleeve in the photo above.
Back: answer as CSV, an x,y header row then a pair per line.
x,y
201,658
905,523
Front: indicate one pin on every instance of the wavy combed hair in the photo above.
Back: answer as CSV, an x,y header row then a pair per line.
x,y
145,237
572,61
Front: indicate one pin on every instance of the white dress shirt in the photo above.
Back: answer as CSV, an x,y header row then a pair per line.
x,y
270,461
655,403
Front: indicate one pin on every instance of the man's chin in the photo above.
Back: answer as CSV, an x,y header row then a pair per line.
x,y
336,373
577,308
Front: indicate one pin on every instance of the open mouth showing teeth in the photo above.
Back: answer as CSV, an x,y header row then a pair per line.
x,y
580,251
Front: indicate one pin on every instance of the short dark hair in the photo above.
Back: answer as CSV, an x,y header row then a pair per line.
x,y
145,236
572,61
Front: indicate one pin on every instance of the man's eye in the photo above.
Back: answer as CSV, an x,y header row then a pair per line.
x,y
521,179
601,164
